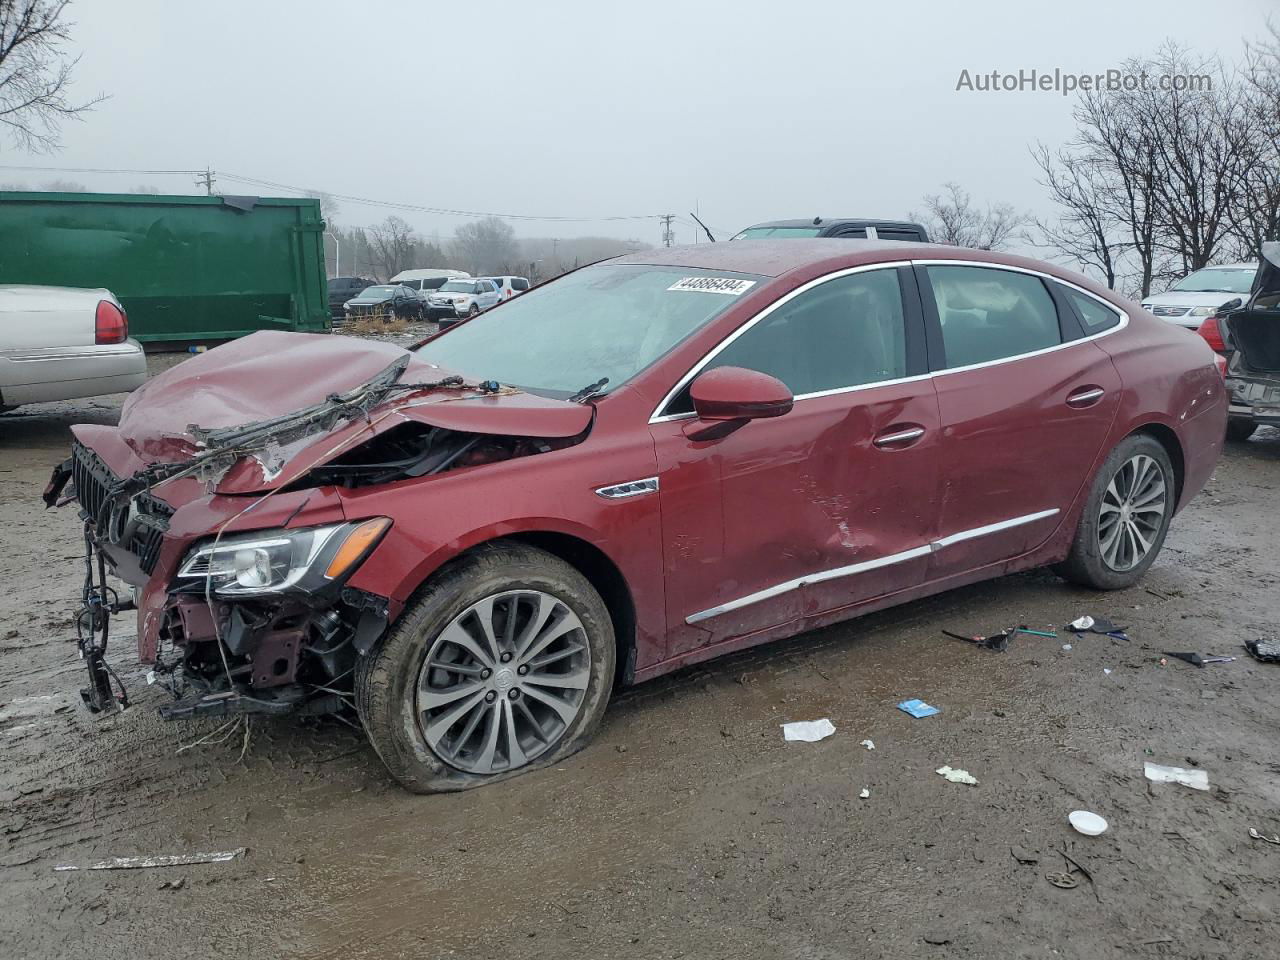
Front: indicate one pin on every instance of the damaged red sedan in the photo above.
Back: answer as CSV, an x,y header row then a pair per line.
x,y
646,463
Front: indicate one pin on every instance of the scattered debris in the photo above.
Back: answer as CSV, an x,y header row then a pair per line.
x,y
957,776
168,860
869,744
1077,868
1066,646
918,708
808,731
865,794
1024,856
1195,779
998,643
1106,671
1196,660
1262,836
1265,649
173,884
1099,625
937,939
1090,824
1063,880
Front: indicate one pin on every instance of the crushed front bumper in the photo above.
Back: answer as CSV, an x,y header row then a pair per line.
x,y
276,653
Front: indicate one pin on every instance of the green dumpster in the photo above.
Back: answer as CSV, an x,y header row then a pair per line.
x,y
185,268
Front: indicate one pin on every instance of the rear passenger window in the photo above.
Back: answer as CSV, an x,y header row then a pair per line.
x,y
519,283
989,314
843,333
1095,315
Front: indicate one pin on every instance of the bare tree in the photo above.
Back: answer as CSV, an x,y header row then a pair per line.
x,y
485,245
64,186
329,207
952,218
1087,231
35,73
1255,214
392,244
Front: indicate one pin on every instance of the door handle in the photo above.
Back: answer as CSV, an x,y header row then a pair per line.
x,y
1085,397
903,437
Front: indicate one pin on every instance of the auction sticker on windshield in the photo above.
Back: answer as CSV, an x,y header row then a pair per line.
x,y
725,285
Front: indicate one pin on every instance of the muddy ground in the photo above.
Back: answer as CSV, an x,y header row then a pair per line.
x,y
689,829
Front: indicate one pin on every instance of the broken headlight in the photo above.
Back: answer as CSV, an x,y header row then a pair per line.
x,y
273,561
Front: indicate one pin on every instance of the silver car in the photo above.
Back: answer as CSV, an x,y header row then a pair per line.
x,y
1199,294
59,343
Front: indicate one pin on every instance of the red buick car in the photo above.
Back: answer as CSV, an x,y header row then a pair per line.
x,y
643,464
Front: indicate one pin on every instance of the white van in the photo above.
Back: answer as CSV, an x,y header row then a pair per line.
x,y
422,282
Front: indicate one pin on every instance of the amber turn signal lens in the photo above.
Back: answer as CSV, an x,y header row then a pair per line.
x,y
357,544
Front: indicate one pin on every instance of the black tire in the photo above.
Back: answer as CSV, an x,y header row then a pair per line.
x,y
474,311
1238,430
387,678
1085,563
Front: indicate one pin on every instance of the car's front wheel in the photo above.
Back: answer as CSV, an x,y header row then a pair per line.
x,y
1125,518
503,663
474,311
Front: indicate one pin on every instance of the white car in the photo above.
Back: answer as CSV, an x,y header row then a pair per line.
x,y
1199,294
461,298
426,282
60,343
508,287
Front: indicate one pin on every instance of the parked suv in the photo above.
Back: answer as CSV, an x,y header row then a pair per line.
x,y
425,282
458,299
342,289
508,287
838,227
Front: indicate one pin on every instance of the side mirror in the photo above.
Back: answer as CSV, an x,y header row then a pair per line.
x,y
734,393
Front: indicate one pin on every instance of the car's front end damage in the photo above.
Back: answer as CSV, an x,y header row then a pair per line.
x,y
233,534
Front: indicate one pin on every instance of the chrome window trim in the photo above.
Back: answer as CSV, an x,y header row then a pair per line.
x,y
782,301
768,593
656,417
1124,316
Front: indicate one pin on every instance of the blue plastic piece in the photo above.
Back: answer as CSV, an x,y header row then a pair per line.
x,y
917,708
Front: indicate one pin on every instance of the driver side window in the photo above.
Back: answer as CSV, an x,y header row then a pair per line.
x,y
846,332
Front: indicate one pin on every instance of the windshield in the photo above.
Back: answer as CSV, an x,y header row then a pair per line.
x,y
755,233
610,320
1217,280
373,293
458,286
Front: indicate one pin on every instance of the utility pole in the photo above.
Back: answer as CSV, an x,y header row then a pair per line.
x,y
668,238
206,180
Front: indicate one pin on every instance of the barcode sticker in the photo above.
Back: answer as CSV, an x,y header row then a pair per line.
x,y
725,285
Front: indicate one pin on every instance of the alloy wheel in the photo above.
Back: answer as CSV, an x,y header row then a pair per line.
x,y
503,681
1132,513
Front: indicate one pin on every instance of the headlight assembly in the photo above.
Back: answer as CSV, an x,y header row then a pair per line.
x,y
1203,311
274,561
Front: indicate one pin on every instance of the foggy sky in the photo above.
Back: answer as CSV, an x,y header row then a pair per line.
x,y
748,110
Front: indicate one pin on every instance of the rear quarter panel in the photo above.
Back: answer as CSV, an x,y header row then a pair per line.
x,y
1170,378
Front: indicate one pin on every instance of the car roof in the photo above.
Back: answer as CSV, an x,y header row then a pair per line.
x,y
825,222
774,258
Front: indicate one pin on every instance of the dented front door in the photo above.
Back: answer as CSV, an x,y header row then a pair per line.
x,y
827,506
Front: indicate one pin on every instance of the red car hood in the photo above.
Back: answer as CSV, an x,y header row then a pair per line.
x,y
270,374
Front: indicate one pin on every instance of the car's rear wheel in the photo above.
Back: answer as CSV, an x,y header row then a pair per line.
x,y
1239,430
1125,518
503,663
